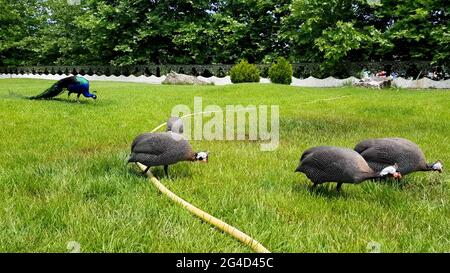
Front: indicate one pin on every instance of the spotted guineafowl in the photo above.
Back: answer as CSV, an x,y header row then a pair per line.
x,y
175,124
333,164
382,152
163,149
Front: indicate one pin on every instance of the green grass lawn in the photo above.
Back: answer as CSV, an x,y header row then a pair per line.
x,y
63,175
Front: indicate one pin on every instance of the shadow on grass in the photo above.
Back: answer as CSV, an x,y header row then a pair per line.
x,y
391,182
59,99
327,190
13,95
68,100
158,172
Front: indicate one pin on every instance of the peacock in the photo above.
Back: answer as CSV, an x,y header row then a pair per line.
x,y
73,84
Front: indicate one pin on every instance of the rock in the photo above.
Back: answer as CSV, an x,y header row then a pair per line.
x,y
375,82
175,78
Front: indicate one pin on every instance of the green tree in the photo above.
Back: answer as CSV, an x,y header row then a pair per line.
x,y
419,29
129,32
20,21
140,32
61,39
333,31
259,40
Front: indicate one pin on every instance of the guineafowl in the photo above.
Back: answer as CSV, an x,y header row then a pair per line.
x,y
382,152
333,164
175,124
163,149
74,84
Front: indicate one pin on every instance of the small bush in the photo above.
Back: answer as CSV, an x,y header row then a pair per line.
x,y
244,72
281,71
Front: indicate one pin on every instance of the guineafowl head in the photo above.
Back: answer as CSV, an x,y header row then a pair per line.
x,y
391,171
94,96
202,157
437,166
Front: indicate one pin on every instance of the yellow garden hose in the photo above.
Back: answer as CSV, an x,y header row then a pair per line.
x,y
236,233
247,240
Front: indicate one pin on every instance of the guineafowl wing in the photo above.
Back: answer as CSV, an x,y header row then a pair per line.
x,y
312,150
157,143
154,149
149,145
143,158
378,154
319,168
139,139
410,148
363,145
378,158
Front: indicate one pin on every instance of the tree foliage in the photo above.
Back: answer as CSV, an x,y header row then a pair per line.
x,y
132,32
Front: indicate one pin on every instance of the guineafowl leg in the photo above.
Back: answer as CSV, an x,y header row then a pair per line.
x,y
314,185
338,187
78,97
166,170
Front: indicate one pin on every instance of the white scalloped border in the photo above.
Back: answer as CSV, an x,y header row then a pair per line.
x,y
308,82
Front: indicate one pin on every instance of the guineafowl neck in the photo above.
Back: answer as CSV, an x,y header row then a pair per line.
x,y
428,167
373,175
192,156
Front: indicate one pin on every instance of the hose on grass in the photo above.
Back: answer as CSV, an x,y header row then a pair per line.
x,y
221,225
234,232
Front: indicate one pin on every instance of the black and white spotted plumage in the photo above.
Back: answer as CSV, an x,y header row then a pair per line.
x,y
161,149
382,152
334,164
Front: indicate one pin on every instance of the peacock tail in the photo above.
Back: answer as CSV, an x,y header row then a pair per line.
x,y
51,92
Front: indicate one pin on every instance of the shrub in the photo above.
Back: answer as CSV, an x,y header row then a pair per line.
x,y
281,71
244,72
